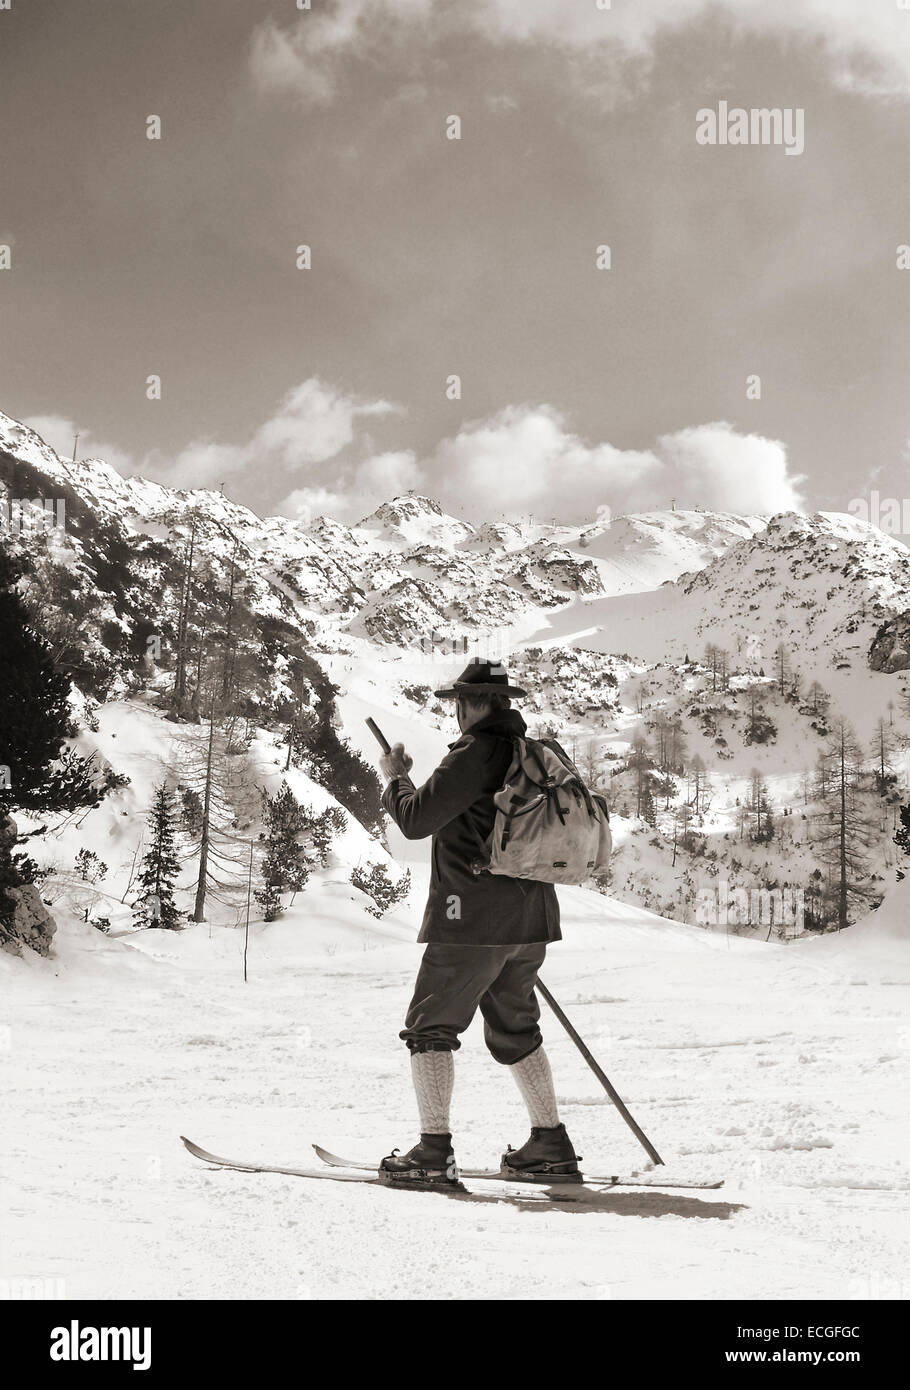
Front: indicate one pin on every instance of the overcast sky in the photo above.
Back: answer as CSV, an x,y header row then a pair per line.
x,y
326,388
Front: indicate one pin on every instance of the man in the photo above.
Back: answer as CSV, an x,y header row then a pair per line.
x,y
486,936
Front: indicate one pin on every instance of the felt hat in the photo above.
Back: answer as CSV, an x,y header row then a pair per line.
x,y
481,678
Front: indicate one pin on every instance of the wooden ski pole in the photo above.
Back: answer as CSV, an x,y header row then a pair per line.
x,y
378,735
599,1073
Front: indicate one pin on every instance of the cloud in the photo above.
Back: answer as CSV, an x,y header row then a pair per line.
x,y
386,475
523,459
300,58
285,61
356,491
744,473
526,459
316,456
305,503
312,424
59,432
866,43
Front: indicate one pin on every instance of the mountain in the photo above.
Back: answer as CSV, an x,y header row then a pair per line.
x,y
641,552
606,627
829,587
406,575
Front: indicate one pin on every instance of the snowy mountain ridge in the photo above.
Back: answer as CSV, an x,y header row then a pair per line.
x,y
605,626
407,570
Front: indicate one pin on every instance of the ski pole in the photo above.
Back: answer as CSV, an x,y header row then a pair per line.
x,y
379,736
600,1074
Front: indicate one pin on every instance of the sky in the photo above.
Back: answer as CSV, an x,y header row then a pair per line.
x,y
329,388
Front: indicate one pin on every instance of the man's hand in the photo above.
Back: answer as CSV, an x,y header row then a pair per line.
x,y
397,762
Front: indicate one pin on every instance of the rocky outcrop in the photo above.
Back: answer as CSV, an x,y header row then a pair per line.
x,y
890,650
24,920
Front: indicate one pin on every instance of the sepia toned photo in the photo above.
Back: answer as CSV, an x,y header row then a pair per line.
x,y
455,667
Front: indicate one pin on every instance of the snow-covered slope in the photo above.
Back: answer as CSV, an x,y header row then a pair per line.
x,y
822,585
143,746
641,552
116,1052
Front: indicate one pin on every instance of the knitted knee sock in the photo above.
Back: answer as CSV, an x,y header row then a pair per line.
x,y
433,1074
535,1081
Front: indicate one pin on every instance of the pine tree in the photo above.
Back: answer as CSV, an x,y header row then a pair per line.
x,y
302,720
661,730
37,773
313,740
591,763
763,825
178,695
89,866
846,836
882,748
379,886
759,728
155,906
205,827
323,829
640,761
676,751
817,704
34,716
902,836
229,644
91,869
699,776
296,841
218,798
724,663
824,778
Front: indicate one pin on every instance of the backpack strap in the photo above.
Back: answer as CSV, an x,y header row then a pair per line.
x,y
531,745
564,758
561,754
479,865
514,802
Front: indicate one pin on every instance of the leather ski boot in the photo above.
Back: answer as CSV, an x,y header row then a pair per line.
x,y
548,1156
428,1164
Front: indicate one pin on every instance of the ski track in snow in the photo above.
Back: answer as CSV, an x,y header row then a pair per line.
x,y
117,1048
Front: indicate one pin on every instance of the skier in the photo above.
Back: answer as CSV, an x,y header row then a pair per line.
x,y
486,937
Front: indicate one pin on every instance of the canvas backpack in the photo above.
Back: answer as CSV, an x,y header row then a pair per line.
x,y
549,826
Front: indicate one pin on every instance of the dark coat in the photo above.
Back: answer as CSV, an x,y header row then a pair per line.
x,y
464,907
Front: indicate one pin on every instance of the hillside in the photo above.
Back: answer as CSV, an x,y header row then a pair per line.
x,y
610,628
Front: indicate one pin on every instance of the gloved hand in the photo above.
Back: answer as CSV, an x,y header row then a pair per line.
x,y
396,762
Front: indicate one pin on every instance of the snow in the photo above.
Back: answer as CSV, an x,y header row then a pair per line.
x,y
640,552
115,1048
779,1066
